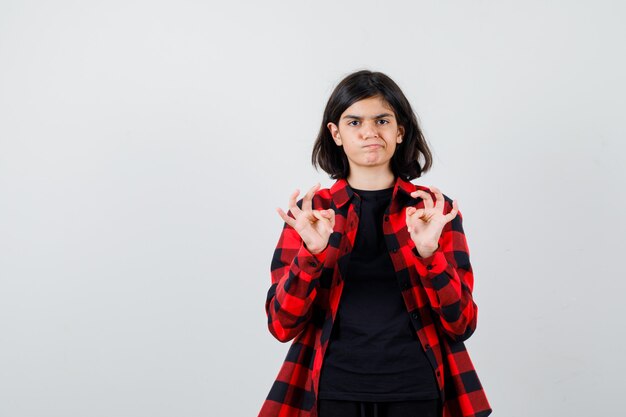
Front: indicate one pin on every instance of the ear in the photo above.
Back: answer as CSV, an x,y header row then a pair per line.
x,y
334,132
400,134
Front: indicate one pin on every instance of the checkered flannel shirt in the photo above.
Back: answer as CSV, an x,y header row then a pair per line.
x,y
303,300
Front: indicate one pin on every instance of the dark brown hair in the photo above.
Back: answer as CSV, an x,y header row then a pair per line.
x,y
358,86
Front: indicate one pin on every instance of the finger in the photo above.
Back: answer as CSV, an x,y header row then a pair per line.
x,y
325,221
419,213
293,203
453,212
290,221
414,216
327,213
321,214
408,213
331,214
440,200
428,201
318,215
308,197
415,213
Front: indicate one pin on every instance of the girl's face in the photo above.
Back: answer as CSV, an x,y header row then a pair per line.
x,y
368,132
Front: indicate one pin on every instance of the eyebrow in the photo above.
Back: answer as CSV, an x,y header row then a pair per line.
x,y
378,116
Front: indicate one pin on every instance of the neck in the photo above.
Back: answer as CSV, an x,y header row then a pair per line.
x,y
371,179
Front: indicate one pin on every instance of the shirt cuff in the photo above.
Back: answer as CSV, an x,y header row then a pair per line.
x,y
311,263
431,266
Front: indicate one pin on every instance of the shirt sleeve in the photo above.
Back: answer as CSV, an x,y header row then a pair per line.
x,y
448,279
295,273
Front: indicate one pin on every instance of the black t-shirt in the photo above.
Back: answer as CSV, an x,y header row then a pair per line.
x,y
373,352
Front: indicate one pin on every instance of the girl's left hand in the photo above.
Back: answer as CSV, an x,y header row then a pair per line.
x,y
426,224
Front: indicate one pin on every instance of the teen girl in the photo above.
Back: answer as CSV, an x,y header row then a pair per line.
x,y
371,277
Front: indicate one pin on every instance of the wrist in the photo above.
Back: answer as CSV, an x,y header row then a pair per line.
x,y
426,251
318,252
315,251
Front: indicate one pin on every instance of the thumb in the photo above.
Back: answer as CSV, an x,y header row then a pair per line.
x,y
331,216
322,215
319,214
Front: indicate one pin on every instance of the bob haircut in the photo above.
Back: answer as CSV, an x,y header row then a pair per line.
x,y
358,86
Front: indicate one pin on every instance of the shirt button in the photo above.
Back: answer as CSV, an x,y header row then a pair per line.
x,y
394,250
427,346
386,218
429,267
415,316
313,263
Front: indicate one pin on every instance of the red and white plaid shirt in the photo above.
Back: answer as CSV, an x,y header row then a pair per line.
x,y
303,299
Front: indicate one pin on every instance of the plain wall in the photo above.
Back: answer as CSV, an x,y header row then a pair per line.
x,y
144,147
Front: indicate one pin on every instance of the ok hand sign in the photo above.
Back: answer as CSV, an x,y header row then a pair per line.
x,y
426,224
313,226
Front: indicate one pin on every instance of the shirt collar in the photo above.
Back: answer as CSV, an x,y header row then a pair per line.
x,y
342,192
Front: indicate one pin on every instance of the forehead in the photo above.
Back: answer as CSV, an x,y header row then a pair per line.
x,y
369,106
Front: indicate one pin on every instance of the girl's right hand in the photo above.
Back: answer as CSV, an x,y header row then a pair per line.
x,y
313,226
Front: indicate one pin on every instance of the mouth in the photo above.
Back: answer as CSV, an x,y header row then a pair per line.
x,y
373,146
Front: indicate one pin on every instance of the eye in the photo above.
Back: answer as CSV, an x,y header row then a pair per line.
x,y
352,121
383,121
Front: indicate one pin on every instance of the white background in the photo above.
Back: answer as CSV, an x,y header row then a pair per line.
x,y
144,147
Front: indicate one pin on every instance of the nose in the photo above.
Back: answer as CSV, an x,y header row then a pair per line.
x,y
369,129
